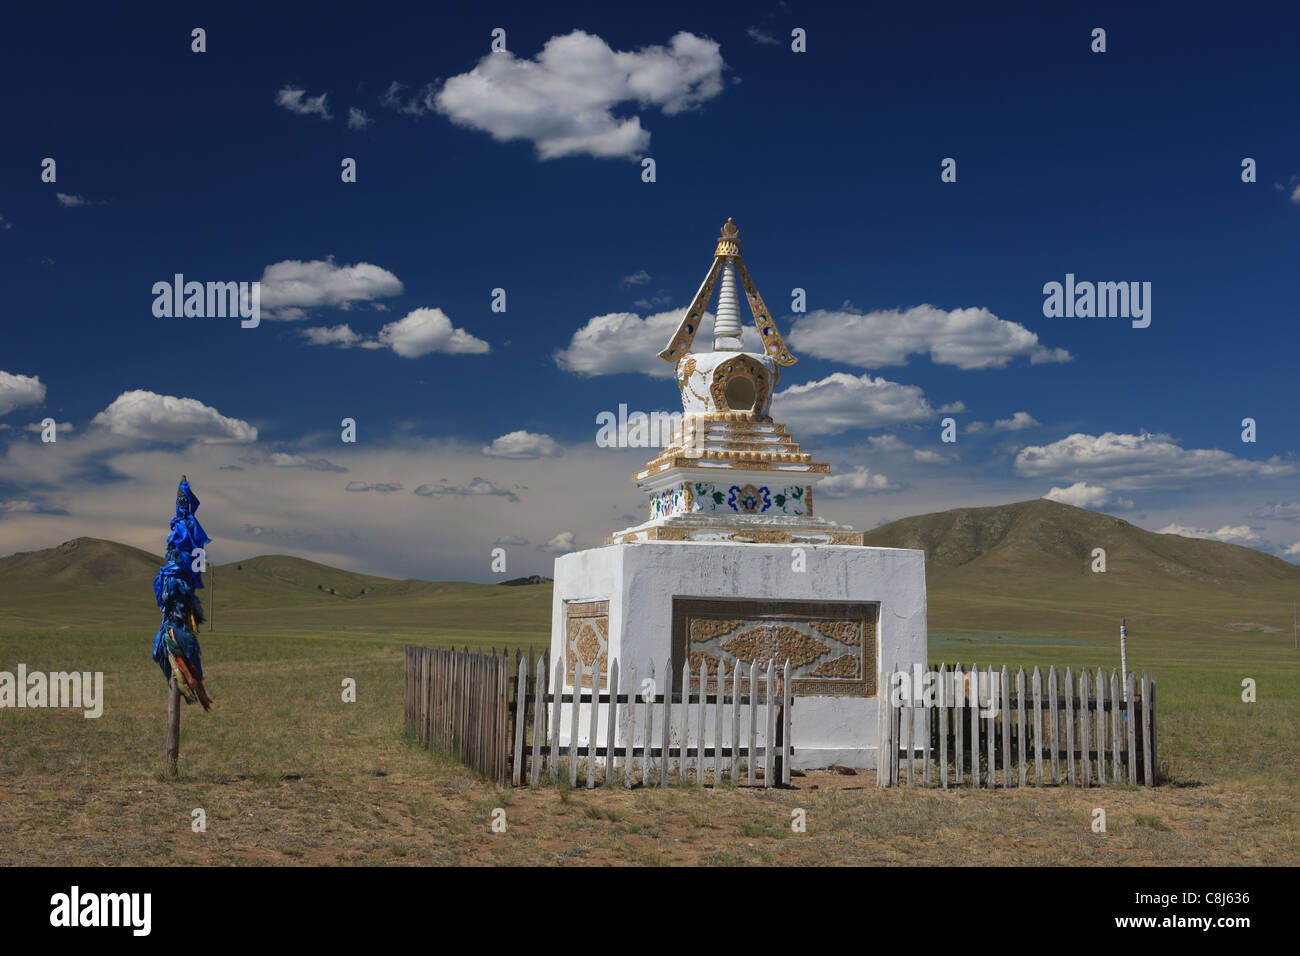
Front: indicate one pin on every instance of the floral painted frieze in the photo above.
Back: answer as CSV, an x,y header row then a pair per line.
x,y
749,499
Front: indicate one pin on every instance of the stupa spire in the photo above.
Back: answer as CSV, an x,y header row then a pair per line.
x,y
727,264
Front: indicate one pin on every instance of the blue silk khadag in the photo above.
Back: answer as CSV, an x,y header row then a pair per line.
x,y
176,588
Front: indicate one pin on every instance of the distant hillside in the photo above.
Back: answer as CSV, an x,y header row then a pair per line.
x,y
1045,539
90,581
82,561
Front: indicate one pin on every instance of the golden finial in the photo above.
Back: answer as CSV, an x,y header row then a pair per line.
x,y
728,244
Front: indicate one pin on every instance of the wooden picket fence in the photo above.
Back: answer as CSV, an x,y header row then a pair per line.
x,y
461,702
750,727
1080,723
504,718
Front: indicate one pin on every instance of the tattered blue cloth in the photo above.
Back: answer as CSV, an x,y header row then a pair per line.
x,y
176,646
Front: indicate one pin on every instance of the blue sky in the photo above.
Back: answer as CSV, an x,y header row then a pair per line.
x,y
522,170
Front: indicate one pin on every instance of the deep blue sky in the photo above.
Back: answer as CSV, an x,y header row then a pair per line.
x,y
1117,166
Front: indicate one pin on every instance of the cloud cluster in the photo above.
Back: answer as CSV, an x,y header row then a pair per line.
x,y
564,100
1083,495
429,330
297,101
477,486
18,390
523,445
291,287
1233,534
165,418
842,401
1134,462
971,338
861,481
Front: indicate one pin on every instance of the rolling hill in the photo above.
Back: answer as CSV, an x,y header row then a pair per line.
x,y
1017,569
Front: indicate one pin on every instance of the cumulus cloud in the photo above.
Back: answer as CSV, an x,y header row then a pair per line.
x,y
477,486
18,390
341,335
971,338
523,444
1017,422
1132,462
1080,494
1233,534
297,101
1293,550
357,119
429,330
562,543
292,286
841,401
862,481
640,277
563,101
281,460
153,417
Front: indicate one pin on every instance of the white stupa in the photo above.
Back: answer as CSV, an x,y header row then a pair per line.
x,y
731,472
732,563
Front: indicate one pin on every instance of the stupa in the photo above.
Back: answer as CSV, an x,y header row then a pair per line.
x,y
732,563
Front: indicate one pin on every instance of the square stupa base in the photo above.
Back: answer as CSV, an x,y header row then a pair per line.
x,y
840,613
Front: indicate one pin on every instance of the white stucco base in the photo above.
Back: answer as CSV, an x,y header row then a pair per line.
x,y
641,579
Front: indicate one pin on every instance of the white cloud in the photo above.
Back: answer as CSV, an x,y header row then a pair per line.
x,y
523,444
1233,534
1131,462
1017,422
863,481
640,277
511,540
972,338
16,390
297,101
761,37
5,223
563,101
61,427
153,417
341,335
1295,194
1293,549
75,201
929,457
562,543
841,401
429,330
1080,494
357,119
293,285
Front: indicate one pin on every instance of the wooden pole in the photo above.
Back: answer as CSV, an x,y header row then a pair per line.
x,y
173,726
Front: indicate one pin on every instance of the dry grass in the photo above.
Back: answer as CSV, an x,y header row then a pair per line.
x,y
288,774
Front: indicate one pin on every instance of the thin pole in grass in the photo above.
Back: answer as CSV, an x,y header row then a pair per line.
x,y
173,727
